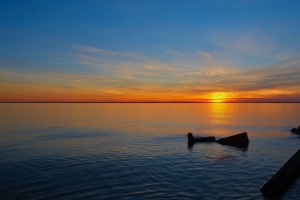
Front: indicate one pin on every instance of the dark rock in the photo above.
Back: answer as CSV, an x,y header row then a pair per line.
x,y
298,130
240,140
191,139
294,130
280,182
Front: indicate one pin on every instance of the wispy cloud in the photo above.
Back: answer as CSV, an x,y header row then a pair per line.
x,y
249,41
206,56
177,54
284,76
96,50
100,51
5,72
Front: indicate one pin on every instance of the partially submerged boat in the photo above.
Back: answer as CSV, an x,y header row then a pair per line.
x,y
192,139
240,140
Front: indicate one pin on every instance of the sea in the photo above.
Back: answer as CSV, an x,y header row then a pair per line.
x,y
140,150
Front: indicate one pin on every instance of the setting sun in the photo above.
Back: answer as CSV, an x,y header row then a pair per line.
x,y
218,97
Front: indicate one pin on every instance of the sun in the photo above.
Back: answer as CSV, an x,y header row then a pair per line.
x,y
217,97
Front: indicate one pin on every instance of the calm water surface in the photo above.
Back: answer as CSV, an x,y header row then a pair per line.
x,y
139,151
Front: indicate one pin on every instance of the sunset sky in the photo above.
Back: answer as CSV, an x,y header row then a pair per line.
x,y
149,51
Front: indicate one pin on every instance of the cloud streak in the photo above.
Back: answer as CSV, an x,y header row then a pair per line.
x,y
181,55
132,28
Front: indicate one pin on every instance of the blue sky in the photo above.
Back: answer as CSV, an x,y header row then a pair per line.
x,y
149,50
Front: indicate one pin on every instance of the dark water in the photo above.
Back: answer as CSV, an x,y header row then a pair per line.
x,y
139,151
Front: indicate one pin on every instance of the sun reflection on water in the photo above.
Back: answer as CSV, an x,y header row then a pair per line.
x,y
218,112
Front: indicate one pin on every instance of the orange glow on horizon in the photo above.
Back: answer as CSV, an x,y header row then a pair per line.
x,y
17,92
218,97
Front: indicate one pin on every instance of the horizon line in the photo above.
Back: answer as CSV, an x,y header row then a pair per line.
x,y
141,102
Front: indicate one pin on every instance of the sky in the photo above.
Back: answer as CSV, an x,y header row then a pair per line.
x,y
149,51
